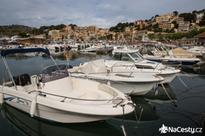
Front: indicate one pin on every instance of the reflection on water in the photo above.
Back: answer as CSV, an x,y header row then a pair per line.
x,y
35,127
183,104
143,110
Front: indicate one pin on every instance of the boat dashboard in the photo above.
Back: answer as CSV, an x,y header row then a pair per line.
x,y
50,73
55,72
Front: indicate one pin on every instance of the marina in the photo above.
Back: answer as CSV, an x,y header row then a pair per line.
x,y
151,110
102,68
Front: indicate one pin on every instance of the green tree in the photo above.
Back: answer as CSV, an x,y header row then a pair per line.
x,y
23,35
156,28
151,36
73,26
202,22
192,33
176,25
175,13
188,17
120,27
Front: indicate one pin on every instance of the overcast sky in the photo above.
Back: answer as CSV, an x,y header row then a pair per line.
x,y
103,13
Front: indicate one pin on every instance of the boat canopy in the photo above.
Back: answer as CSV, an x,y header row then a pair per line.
x,y
26,50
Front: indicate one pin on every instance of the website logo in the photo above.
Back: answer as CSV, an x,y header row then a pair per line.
x,y
167,129
163,129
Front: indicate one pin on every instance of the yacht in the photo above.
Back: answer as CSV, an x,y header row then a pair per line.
x,y
126,59
97,47
55,95
175,57
57,49
133,83
197,50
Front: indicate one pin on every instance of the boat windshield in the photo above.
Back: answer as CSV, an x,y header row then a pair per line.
x,y
54,72
122,57
136,56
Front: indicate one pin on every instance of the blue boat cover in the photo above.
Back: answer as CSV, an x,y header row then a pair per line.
x,y
23,50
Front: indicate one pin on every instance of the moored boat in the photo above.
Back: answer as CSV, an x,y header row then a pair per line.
x,y
131,60
55,96
175,57
134,83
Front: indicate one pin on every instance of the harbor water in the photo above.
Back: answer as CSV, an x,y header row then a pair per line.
x,y
180,104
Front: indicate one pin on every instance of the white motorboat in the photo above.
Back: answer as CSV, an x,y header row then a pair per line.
x,y
92,48
131,60
128,82
197,50
73,46
57,49
55,96
97,47
175,57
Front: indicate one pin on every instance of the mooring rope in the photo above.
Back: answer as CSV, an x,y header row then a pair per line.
x,y
123,118
165,90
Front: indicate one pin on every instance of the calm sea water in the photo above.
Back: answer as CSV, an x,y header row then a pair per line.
x,y
186,108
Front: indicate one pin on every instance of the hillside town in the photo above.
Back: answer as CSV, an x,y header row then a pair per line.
x,y
176,28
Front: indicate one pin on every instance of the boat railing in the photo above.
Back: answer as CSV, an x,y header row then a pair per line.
x,y
116,100
156,66
120,65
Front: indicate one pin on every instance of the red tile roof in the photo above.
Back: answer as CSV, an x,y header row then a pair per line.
x,y
201,35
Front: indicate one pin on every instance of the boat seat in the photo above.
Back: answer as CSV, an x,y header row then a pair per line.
x,y
22,80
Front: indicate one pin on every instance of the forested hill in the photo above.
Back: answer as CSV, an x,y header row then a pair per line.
x,y
10,30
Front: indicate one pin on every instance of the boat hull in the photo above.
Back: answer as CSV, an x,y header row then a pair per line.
x,y
130,88
167,73
174,62
66,109
134,88
55,115
168,78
